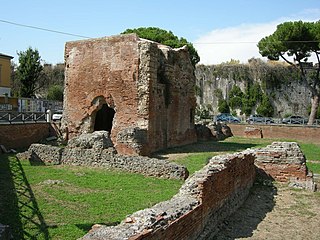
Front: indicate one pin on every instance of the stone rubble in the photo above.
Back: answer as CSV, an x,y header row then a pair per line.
x,y
208,196
96,150
146,222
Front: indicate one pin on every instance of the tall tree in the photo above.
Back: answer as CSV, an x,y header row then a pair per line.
x,y
298,40
166,38
29,72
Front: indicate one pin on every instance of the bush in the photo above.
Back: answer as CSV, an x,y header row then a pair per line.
x,y
265,108
223,106
55,92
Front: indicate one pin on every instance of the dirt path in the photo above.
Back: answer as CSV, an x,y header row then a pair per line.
x,y
275,212
272,212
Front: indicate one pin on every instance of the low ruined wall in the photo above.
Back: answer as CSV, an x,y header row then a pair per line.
x,y
106,158
46,154
284,162
23,135
205,199
294,132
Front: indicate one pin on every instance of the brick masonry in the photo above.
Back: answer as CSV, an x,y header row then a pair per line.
x,y
209,196
23,135
150,87
302,133
285,162
205,199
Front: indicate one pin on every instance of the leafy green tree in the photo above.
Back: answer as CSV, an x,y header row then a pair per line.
x,y
252,96
29,71
298,40
55,92
53,74
166,38
223,106
246,105
16,85
235,97
265,108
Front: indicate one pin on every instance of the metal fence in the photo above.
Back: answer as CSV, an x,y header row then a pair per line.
x,y
21,117
265,120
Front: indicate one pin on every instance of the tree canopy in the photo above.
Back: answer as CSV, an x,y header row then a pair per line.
x,y
55,92
29,71
166,38
298,40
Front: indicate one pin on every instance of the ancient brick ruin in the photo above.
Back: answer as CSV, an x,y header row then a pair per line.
x,y
140,91
210,195
205,199
96,150
285,162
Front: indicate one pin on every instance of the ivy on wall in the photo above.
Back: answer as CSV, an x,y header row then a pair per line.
x,y
260,79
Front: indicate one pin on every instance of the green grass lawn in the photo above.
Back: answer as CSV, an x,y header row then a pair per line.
x,y
201,152
79,197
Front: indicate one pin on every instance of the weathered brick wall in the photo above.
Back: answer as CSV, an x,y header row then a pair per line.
x,y
150,87
172,97
104,69
294,132
23,135
205,199
284,162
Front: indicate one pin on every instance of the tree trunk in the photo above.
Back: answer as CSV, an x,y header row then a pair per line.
x,y
314,108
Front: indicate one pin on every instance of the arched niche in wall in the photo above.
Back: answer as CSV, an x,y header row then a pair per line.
x,y
102,117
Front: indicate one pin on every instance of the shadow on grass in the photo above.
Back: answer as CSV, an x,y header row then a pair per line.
x,y
206,146
18,206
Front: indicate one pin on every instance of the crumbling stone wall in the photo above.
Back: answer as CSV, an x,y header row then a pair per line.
x,y
149,86
205,199
285,162
96,150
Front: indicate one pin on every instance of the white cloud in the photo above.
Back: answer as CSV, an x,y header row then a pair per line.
x,y
239,42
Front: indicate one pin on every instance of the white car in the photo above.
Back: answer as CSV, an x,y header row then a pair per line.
x,y
57,115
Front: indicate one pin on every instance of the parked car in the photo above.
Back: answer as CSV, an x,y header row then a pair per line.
x,y
256,118
294,120
57,115
227,117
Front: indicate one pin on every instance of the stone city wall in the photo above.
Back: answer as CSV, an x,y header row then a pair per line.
x,y
204,200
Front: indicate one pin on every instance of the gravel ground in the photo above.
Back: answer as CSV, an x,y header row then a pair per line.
x,y
275,212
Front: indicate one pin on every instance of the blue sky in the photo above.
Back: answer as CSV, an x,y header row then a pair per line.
x,y
220,30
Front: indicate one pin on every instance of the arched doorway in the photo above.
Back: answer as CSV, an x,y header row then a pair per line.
x,y
104,118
